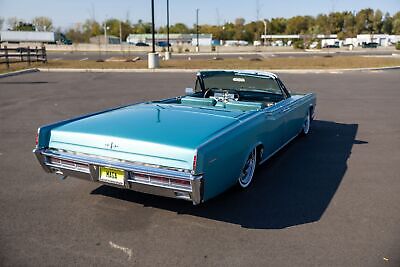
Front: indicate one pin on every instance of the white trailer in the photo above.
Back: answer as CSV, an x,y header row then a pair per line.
x,y
27,36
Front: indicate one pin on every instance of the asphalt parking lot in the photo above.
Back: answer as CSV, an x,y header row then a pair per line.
x,y
329,199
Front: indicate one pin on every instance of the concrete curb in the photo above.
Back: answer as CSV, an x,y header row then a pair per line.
x,y
18,72
335,70
115,70
196,70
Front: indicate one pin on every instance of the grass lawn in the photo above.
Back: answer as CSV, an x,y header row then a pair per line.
x,y
20,66
317,62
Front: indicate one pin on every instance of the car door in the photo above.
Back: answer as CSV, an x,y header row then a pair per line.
x,y
293,116
291,113
273,129
274,125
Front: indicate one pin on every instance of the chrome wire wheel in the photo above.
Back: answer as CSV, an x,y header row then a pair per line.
x,y
248,170
306,124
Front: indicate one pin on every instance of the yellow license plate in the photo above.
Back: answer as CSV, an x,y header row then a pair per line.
x,y
112,176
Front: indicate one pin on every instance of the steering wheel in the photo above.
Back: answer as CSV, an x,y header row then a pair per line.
x,y
208,91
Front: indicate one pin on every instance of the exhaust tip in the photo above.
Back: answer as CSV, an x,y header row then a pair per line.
x,y
60,174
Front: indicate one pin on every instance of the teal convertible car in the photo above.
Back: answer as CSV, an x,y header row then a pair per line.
x,y
190,147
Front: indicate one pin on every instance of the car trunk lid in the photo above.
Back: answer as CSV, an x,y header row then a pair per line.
x,y
159,134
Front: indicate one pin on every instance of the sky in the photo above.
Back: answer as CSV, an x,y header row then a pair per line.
x,y
66,13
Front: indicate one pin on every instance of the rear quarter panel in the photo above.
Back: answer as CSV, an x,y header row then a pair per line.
x,y
222,158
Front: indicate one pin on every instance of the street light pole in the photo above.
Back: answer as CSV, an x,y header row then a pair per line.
x,y
153,60
120,32
152,27
265,31
197,30
105,37
105,33
168,25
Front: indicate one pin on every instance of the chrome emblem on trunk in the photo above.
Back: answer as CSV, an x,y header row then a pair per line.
x,y
111,145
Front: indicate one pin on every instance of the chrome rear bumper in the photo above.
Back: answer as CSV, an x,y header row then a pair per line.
x,y
152,180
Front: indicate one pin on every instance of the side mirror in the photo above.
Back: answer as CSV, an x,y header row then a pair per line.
x,y
189,91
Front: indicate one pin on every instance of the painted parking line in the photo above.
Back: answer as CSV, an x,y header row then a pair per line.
x,y
127,251
83,59
336,72
58,58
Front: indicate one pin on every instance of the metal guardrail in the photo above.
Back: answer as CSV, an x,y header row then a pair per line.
x,y
22,54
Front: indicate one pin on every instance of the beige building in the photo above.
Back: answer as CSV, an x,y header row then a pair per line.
x,y
100,39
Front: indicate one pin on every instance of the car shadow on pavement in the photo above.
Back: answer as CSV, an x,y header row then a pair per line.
x,y
294,187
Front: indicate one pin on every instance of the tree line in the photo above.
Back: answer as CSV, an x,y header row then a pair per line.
x,y
344,24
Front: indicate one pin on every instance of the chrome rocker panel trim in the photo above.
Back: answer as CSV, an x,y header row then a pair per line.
x,y
193,193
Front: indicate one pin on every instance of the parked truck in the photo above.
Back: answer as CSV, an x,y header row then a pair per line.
x,y
33,36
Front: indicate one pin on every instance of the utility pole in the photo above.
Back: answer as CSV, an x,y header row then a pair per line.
x,y
258,8
197,30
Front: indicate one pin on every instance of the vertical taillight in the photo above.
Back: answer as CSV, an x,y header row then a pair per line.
x,y
194,162
37,137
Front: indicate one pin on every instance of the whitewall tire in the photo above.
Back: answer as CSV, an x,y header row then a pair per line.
x,y
247,172
306,124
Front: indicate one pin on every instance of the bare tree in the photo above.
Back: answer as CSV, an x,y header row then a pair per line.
x,y
12,23
43,23
1,23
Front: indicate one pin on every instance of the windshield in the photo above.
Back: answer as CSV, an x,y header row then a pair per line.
x,y
241,82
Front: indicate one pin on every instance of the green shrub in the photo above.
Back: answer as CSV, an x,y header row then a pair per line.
x,y
319,45
398,46
299,44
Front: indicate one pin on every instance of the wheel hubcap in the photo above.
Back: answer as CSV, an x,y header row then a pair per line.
x,y
248,170
306,125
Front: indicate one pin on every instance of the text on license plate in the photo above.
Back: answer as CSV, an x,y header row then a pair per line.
x,y
113,176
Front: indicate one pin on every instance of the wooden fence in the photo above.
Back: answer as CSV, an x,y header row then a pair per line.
x,y
22,54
